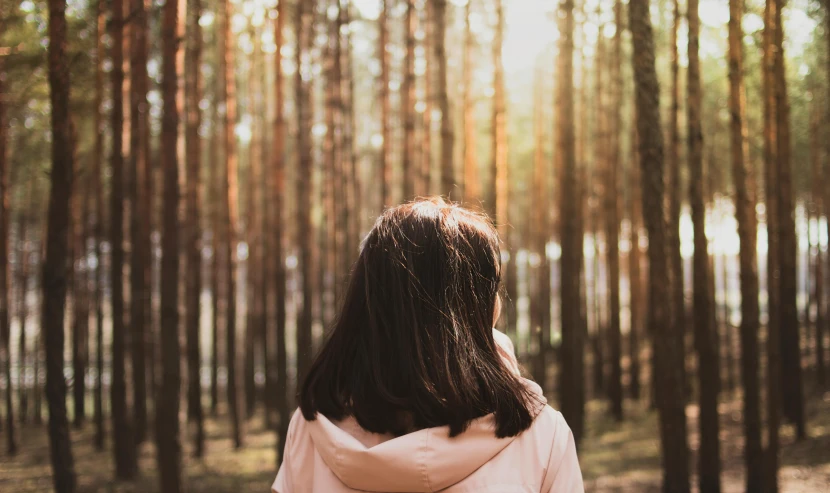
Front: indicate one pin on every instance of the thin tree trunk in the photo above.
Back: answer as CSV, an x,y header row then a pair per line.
x,y
540,233
80,311
386,129
612,221
826,200
408,104
305,199
426,140
439,33
817,177
791,380
57,260
773,260
635,275
23,310
99,273
705,333
137,164
675,197
744,180
193,246
5,212
572,342
168,442
471,188
229,186
216,228
670,402
124,449
281,399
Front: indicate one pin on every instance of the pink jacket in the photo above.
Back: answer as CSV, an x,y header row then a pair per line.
x,y
323,456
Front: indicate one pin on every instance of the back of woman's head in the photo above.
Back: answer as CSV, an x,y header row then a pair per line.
x,y
413,345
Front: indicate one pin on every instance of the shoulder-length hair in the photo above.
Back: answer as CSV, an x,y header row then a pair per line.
x,y
413,345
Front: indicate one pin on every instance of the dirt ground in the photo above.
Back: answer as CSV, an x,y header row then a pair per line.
x,y
614,457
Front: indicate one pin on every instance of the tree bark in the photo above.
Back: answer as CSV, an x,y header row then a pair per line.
x,y
386,129
126,464
408,104
216,189
705,333
193,246
635,275
439,33
99,273
817,177
471,188
670,402
5,212
57,260
24,217
572,343
612,221
791,380
282,399
137,169
168,442
743,178
229,186
773,259
80,309
304,25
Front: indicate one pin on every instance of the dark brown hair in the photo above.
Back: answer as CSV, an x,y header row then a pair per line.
x,y
413,344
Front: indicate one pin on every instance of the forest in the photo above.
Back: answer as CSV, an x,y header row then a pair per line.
x,y
184,186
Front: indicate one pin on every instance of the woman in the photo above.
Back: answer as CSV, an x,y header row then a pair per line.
x,y
414,390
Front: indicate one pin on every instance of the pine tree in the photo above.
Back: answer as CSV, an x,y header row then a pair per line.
x,y
439,33
670,402
471,191
57,260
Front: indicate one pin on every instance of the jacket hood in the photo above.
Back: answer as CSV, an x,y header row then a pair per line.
x,y
423,461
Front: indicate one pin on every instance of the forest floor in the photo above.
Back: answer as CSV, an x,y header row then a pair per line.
x,y
615,457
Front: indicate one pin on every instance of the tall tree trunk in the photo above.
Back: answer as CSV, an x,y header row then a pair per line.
x,y
600,159
137,164
675,197
5,212
282,399
229,186
471,189
572,342
743,178
57,261
791,384
826,198
773,259
705,333
439,33
124,449
670,402
168,442
193,246
386,129
612,221
24,217
635,276
817,177
80,309
216,227
304,25
540,232
99,273
408,104
426,124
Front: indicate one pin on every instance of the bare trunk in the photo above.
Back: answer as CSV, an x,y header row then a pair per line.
x,y
386,129
471,190
193,245
408,104
773,259
57,260
282,398
670,402
137,169
126,465
229,186
99,273
791,384
572,343
439,33
705,332
635,275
